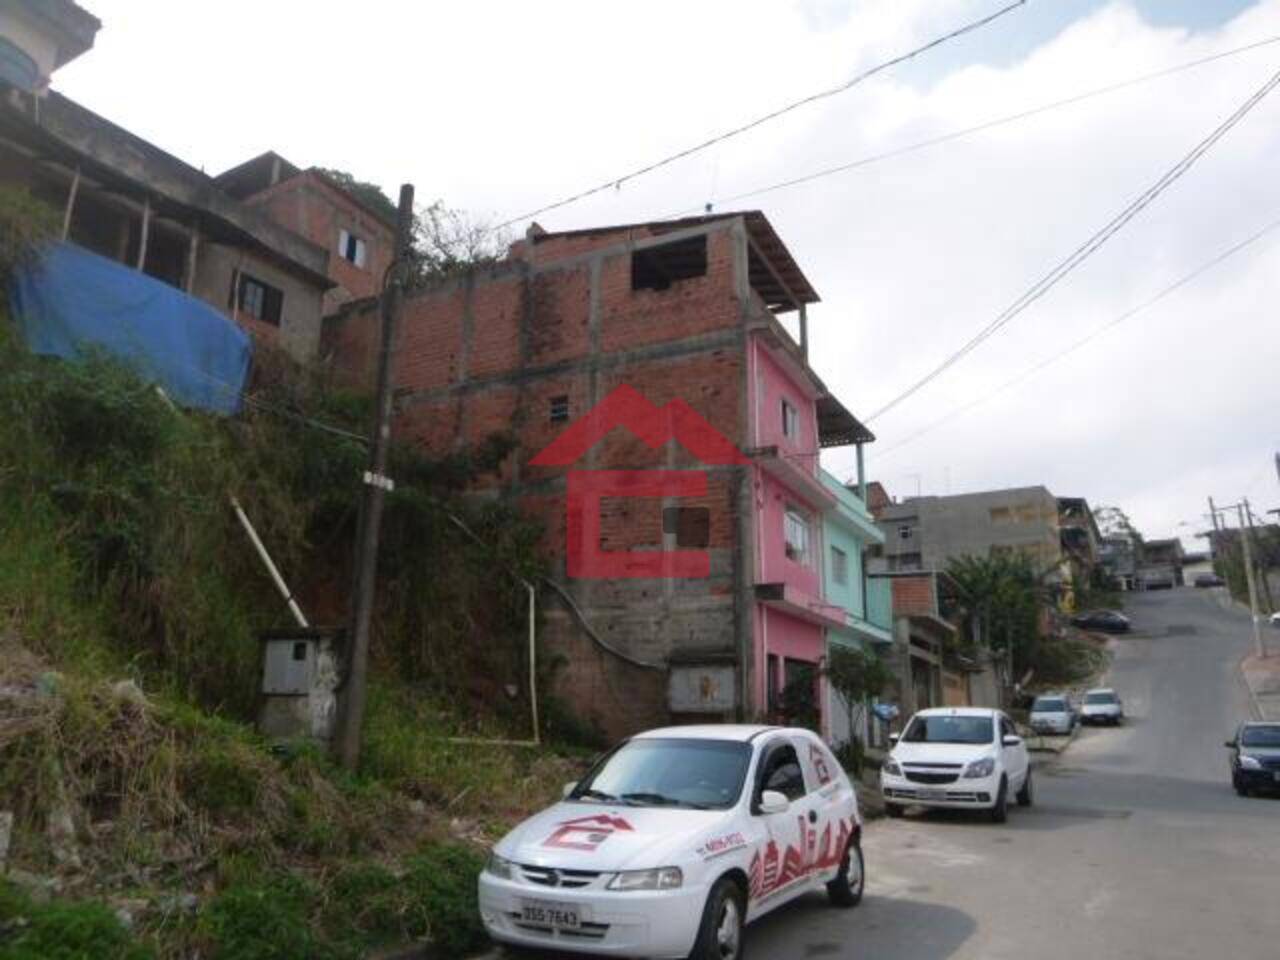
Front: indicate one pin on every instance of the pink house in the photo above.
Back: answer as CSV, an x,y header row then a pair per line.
x,y
790,615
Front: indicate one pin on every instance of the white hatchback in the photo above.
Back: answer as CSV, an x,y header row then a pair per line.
x,y
674,841
965,757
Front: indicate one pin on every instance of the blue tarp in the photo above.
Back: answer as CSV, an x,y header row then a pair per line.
x,y
73,300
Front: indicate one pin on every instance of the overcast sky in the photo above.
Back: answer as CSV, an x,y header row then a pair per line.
x,y
500,107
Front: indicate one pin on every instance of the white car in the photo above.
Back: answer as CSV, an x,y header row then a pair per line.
x,y
1102,706
1052,713
674,841
960,757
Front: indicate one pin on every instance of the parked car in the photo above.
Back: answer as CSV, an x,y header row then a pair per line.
x,y
1107,621
674,841
1255,758
1052,713
1209,580
959,757
1275,619
1102,706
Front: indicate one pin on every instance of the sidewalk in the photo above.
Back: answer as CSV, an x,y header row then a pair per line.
x,y
1262,677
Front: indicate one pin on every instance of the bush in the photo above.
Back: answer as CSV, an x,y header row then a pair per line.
x,y
442,881
263,922
62,930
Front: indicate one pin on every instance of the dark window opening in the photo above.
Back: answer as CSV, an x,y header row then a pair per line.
x,y
657,268
790,420
691,526
781,772
559,409
300,650
259,300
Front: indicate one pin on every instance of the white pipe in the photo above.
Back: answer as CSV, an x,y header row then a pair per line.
x,y
533,673
271,567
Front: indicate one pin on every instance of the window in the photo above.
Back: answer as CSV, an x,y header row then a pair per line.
x,y
781,772
351,247
839,566
677,772
771,681
257,299
691,526
796,535
656,268
559,408
790,421
905,531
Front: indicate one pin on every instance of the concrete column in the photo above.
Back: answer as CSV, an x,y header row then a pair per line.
x,y
862,475
146,229
71,203
193,246
804,332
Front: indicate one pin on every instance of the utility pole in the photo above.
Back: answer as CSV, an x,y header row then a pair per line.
x,y
1262,561
1245,538
377,483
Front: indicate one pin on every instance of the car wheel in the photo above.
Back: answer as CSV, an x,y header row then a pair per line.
x,y
1000,812
893,810
846,889
1240,787
1025,795
720,933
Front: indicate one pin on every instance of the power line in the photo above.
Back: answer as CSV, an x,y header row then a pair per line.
x,y
1088,248
980,127
760,121
1093,335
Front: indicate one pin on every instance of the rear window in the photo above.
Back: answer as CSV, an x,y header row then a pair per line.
x,y
1100,698
1052,705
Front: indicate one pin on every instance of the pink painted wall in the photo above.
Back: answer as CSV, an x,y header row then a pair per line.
x,y
784,637
772,499
770,385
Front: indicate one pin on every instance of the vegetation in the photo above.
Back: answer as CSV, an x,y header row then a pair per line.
x,y
857,675
130,607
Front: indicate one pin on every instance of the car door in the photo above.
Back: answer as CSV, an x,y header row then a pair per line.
x,y
778,868
1014,757
830,807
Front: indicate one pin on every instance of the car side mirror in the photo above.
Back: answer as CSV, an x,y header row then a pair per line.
x,y
1230,744
568,788
771,802
1010,740
894,737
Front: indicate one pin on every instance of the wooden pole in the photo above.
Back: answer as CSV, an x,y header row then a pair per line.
x,y
146,228
193,246
71,203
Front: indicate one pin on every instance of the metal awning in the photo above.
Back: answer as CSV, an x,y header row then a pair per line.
x,y
837,427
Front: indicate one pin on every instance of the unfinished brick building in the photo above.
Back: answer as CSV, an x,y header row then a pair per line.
x,y
677,311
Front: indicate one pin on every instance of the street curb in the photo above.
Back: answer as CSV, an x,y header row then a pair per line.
x,y
1258,712
1057,746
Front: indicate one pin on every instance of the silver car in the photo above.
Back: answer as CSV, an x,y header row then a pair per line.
x,y
1102,705
1052,713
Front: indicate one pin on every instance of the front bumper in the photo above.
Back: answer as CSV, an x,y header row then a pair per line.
x,y
1100,716
1264,780
1053,727
961,794
658,923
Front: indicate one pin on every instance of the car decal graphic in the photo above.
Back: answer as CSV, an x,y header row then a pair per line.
x,y
585,833
717,846
819,761
771,872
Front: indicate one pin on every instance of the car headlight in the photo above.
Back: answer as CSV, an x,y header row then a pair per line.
x,y
1249,763
890,766
981,768
500,867
663,878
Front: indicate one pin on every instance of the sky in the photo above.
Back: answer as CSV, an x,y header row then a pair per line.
x,y
498,108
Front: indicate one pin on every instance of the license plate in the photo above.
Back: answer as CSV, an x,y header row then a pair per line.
x,y
547,913
932,794
1276,776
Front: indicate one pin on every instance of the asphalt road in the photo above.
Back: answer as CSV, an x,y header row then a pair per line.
x,y
1137,847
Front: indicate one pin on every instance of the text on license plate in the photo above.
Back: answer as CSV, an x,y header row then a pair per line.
x,y
547,913
927,794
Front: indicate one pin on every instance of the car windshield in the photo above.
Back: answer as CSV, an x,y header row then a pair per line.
x,y
1100,698
1260,737
949,730
1050,705
706,774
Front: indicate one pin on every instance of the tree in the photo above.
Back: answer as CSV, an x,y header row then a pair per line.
x,y
448,242
857,675
1001,598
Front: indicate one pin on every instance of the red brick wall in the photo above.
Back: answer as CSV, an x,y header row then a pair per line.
x,y
309,205
913,595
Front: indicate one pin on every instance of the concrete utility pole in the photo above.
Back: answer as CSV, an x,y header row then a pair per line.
x,y
351,721
1246,535
1262,561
